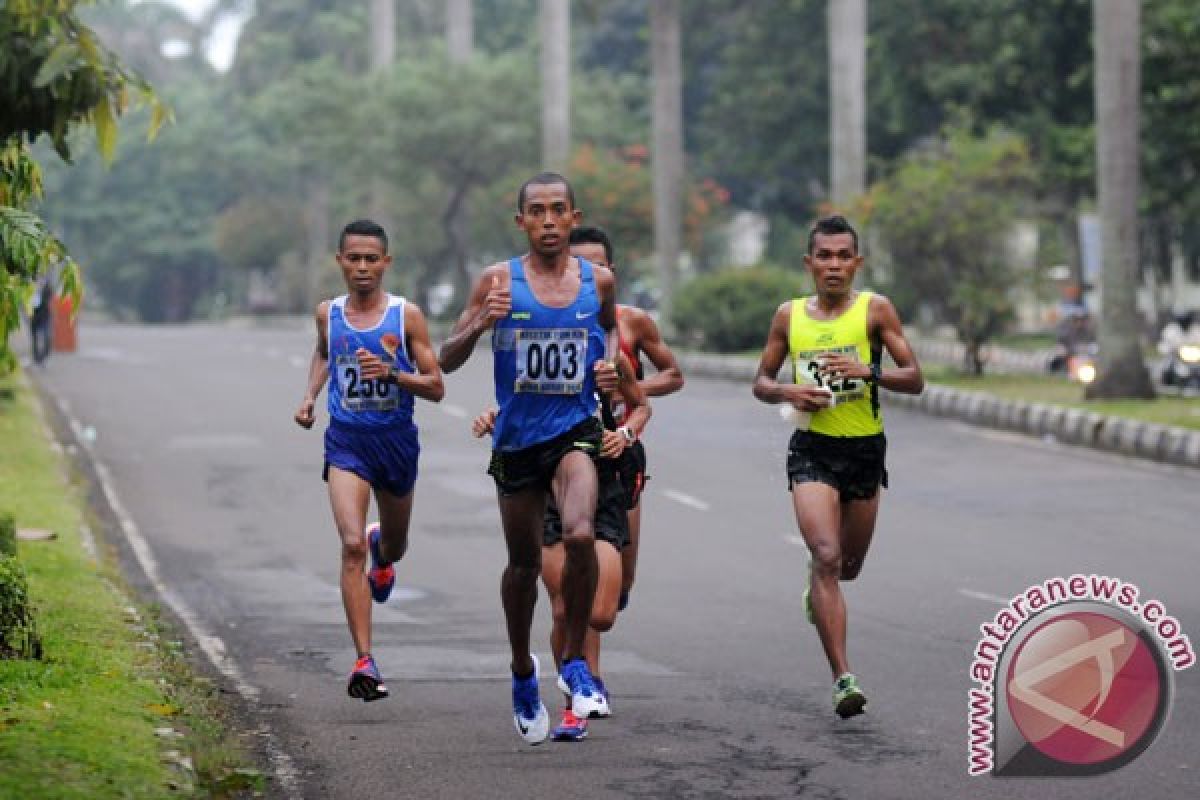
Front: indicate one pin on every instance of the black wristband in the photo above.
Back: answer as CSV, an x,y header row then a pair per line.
x,y
876,373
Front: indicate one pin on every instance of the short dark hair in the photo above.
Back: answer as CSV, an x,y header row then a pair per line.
x,y
830,226
363,227
586,234
544,179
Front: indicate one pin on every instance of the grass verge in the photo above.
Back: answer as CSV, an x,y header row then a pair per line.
x,y
113,709
1182,412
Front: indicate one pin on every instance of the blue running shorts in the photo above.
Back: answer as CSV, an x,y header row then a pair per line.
x,y
386,458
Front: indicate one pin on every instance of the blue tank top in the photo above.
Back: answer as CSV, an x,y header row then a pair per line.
x,y
543,362
359,403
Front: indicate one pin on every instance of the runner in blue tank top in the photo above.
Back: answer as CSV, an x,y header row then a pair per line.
x,y
548,312
373,349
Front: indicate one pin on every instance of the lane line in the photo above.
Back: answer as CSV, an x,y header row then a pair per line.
x,y
451,410
211,645
686,499
988,598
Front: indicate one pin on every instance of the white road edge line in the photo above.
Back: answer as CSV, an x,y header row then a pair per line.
x,y
989,598
212,645
686,499
458,412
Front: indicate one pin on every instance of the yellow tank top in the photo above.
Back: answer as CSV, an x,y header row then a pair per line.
x,y
856,412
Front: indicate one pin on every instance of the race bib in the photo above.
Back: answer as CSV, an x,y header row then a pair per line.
x,y
551,361
808,370
361,394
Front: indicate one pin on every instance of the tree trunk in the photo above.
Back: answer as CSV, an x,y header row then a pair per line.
x,y
847,100
1121,371
460,30
319,250
383,53
667,61
556,84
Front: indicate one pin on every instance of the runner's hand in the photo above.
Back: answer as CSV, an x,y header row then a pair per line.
x,y
370,365
806,397
839,367
497,304
612,445
304,416
484,424
606,376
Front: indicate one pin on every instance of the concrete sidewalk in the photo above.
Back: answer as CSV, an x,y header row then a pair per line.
x,y
1163,443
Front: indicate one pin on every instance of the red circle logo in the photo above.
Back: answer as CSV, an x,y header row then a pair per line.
x,y
1084,688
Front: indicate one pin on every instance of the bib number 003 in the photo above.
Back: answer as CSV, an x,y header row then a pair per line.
x,y
551,361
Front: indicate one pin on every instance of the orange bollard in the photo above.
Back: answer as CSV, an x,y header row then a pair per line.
x,y
63,321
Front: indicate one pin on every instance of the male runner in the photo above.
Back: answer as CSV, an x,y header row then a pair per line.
x,y
836,466
612,536
374,349
546,310
638,335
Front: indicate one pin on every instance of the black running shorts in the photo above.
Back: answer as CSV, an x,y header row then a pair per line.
x,y
611,523
632,467
852,465
534,467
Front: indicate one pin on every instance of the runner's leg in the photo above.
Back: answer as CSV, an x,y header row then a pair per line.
x,y
818,515
349,496
395,512
858,527
575,489
521,517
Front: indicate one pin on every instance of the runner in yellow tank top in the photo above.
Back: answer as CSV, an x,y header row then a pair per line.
x,y
835,463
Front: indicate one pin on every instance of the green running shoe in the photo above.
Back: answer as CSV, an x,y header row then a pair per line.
x,y
848,699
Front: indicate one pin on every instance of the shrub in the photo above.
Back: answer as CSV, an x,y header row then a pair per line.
x,y
18,629
8,534
730,311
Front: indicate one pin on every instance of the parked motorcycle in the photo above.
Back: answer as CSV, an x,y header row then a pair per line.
x,y
1179,345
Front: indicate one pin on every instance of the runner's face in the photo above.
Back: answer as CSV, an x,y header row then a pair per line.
x,y
833,262
363,263
591,251
547,218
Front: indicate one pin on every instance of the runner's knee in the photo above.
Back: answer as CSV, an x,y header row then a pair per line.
x,y
603,619
354,550
826,559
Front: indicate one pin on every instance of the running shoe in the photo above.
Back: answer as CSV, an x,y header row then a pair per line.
x,y
365,681
586,700
529,715
607,712
380,577
571,729
848,699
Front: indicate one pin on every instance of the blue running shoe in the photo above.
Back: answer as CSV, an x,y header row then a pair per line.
x,y
586,700
571,729
529,715
380,577
607,711
366,683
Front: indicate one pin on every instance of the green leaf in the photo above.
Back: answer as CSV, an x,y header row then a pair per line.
x,y
61,59
106,129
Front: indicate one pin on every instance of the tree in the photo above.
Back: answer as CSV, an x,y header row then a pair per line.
x,y
847,100
55,75
1121,371
556,83
667,153
460,29
944,217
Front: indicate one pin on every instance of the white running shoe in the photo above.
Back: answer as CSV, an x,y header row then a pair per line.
x,y
529,715
586,698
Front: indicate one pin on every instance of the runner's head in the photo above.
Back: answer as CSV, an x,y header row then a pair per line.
x,y
592,244
833,256
546,212
362,255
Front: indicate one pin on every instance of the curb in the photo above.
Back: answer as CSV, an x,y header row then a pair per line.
x,y
1162,443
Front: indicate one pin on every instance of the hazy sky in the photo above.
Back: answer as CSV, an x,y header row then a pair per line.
x,y
223,42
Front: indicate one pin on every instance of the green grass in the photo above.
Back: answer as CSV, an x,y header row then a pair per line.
x,y
1056,390
80,722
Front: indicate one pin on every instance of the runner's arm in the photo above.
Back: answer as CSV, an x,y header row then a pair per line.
x,y
669,378
490,301
906,376
637,405
426,382
806,397
318,370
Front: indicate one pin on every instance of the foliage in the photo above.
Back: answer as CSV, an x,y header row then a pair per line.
x,y
8,534
943,218
730,311
18,627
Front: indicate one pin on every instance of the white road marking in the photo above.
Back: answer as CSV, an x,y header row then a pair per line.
x,y
298,361
686,499
212,646
988,598
213,441
449,409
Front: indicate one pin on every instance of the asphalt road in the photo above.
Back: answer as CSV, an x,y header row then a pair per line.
x,y
719,686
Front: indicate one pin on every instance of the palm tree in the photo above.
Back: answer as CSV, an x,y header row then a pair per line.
x,y
667,64
1122,372
847,99
556,83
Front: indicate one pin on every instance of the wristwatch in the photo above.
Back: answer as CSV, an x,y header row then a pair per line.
x,y
876,373
627,432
